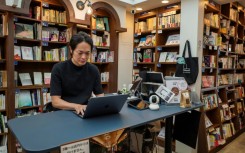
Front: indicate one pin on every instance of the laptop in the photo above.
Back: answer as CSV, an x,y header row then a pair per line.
x,y
98,106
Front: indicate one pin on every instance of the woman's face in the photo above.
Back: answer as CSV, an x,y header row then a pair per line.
x,y
81,54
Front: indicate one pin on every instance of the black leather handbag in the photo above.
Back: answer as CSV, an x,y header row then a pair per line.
x,y
187,67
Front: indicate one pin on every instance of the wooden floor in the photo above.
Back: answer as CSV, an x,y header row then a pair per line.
x,y
236,146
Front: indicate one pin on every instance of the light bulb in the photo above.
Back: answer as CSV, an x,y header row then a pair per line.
x,y
90,11
165,1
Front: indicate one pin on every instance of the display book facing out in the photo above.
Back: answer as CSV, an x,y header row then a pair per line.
x,y
223,73
156,40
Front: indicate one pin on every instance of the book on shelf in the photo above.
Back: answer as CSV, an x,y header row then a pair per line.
x,y
46,96
208,123
25,79
26,53
4,25
35,95
37,12
38,78
210,101
163,56
171,57
173,39
47,78
2,102
106,23
100,24
17,53
104,77
209,61
14,3
24,30
208,81
54,36
24,98
3,78
147,55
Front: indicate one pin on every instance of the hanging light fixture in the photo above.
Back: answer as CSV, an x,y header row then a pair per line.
x,y
81,5
165,1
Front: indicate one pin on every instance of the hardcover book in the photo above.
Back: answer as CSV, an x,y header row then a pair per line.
x,y
24,30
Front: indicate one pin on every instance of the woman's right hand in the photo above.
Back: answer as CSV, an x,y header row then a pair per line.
x,y
80,109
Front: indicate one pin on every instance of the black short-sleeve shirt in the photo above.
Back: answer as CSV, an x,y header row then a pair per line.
x,y
75,84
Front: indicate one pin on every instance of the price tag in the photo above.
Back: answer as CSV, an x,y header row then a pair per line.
x,y
15,62
45,24
77,147
159,31
159,48
159,65
153,31
215,47
45,4
44,43
15,19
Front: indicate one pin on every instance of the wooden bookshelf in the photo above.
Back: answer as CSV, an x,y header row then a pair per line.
x,y
227,93
160,34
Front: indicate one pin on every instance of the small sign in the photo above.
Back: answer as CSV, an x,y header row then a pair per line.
x,y
94,32
77,147
15,62
45,24
159,31
153,31
45,4
135,64
15,19
15,41
215,47
159,65
210,47
44,43
159,48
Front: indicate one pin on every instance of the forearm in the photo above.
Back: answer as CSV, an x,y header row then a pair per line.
x,y
59,103
100,95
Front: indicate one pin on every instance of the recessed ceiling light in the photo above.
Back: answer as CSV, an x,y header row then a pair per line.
x,y
139,9
165,1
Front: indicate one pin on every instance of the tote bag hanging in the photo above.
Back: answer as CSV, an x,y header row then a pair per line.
x,y
187,67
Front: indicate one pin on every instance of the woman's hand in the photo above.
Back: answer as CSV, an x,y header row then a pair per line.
x,y
80,109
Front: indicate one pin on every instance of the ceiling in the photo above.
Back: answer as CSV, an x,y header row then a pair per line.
x,y
150,4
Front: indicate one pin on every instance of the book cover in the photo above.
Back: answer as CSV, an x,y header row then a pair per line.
x,y
25,79
38,78
47,78
17,53
147,56
24,98
173,39
26,53
24,30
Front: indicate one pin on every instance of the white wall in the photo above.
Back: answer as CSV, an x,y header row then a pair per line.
x,y
121,11
125,57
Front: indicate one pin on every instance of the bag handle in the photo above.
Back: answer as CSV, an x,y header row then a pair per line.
x,y
189,49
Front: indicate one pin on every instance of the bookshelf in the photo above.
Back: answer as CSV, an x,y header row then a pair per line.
x,y
223,74
152,49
